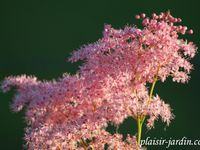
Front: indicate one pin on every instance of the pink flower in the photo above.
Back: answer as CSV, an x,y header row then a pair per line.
x,y
110,86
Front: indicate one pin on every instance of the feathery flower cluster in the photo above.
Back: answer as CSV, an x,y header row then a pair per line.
x,y
72,112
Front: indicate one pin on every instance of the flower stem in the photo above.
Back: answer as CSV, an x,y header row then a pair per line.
x,y
153,86
84,144
141,118
139,125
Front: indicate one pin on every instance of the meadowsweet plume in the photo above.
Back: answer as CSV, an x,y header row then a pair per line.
x,y
73,112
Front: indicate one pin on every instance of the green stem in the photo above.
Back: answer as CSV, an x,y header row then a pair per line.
x,y
141,119
139,125
84,144
153,86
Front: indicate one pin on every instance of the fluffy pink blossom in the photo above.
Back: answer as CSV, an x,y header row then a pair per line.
x,y
111,85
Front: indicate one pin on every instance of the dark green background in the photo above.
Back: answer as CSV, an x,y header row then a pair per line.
x,y
36,37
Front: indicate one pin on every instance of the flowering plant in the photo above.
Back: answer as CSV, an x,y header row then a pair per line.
x,y
73,112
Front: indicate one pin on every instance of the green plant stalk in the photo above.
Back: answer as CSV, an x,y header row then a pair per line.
x,y
152,88
140,120
139,125
84,144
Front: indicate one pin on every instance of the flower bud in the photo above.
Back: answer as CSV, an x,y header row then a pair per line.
x,y
190,32
145,21
154,15
143,15
137,17
179,20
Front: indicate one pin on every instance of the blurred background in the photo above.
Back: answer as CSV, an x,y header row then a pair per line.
x,y
36,37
